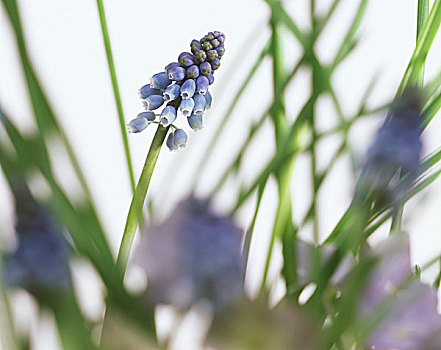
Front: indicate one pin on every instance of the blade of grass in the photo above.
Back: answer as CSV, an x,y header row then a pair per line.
x,y
45,118
116,92
423,12
234,165
229,112
423,45
347,43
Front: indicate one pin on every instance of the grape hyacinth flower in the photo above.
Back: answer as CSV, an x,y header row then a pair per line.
x,y
188,89
153,102
171,93
141,122
168,116
412,318
194,255
397,146
40,263
147,91
183,86
196,122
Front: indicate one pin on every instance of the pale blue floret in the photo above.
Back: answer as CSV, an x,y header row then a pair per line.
x,y
160,81
205,68
208,100
152,102
171,143
140,122
168,116
210,78
193,72
170,66
202,85
188,89
196,121
180,138
186,107
147,90
172,92
186,59
149,115
176,73
199,104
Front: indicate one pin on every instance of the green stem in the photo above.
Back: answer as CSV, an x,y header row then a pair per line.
x,y
139,197
116,93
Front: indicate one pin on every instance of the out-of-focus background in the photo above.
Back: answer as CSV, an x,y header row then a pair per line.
x,y
64,39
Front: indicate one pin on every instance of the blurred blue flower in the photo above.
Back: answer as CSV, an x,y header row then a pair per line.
x,y
193,255
40,263
412,318
397,146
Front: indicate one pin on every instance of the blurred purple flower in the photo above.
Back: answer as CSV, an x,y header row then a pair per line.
x,y
40,262
397,146
412,318
194,255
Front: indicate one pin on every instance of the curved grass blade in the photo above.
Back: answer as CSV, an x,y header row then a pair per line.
x,y
116,93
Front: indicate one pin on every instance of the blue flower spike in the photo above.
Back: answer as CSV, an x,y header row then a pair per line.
x,y
168,116
171,93
182,86
160,81
196,121
188,89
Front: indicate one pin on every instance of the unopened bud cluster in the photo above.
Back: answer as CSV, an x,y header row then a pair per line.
x,y
183,87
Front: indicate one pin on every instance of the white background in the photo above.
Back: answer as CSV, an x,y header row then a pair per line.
x,y
64,39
